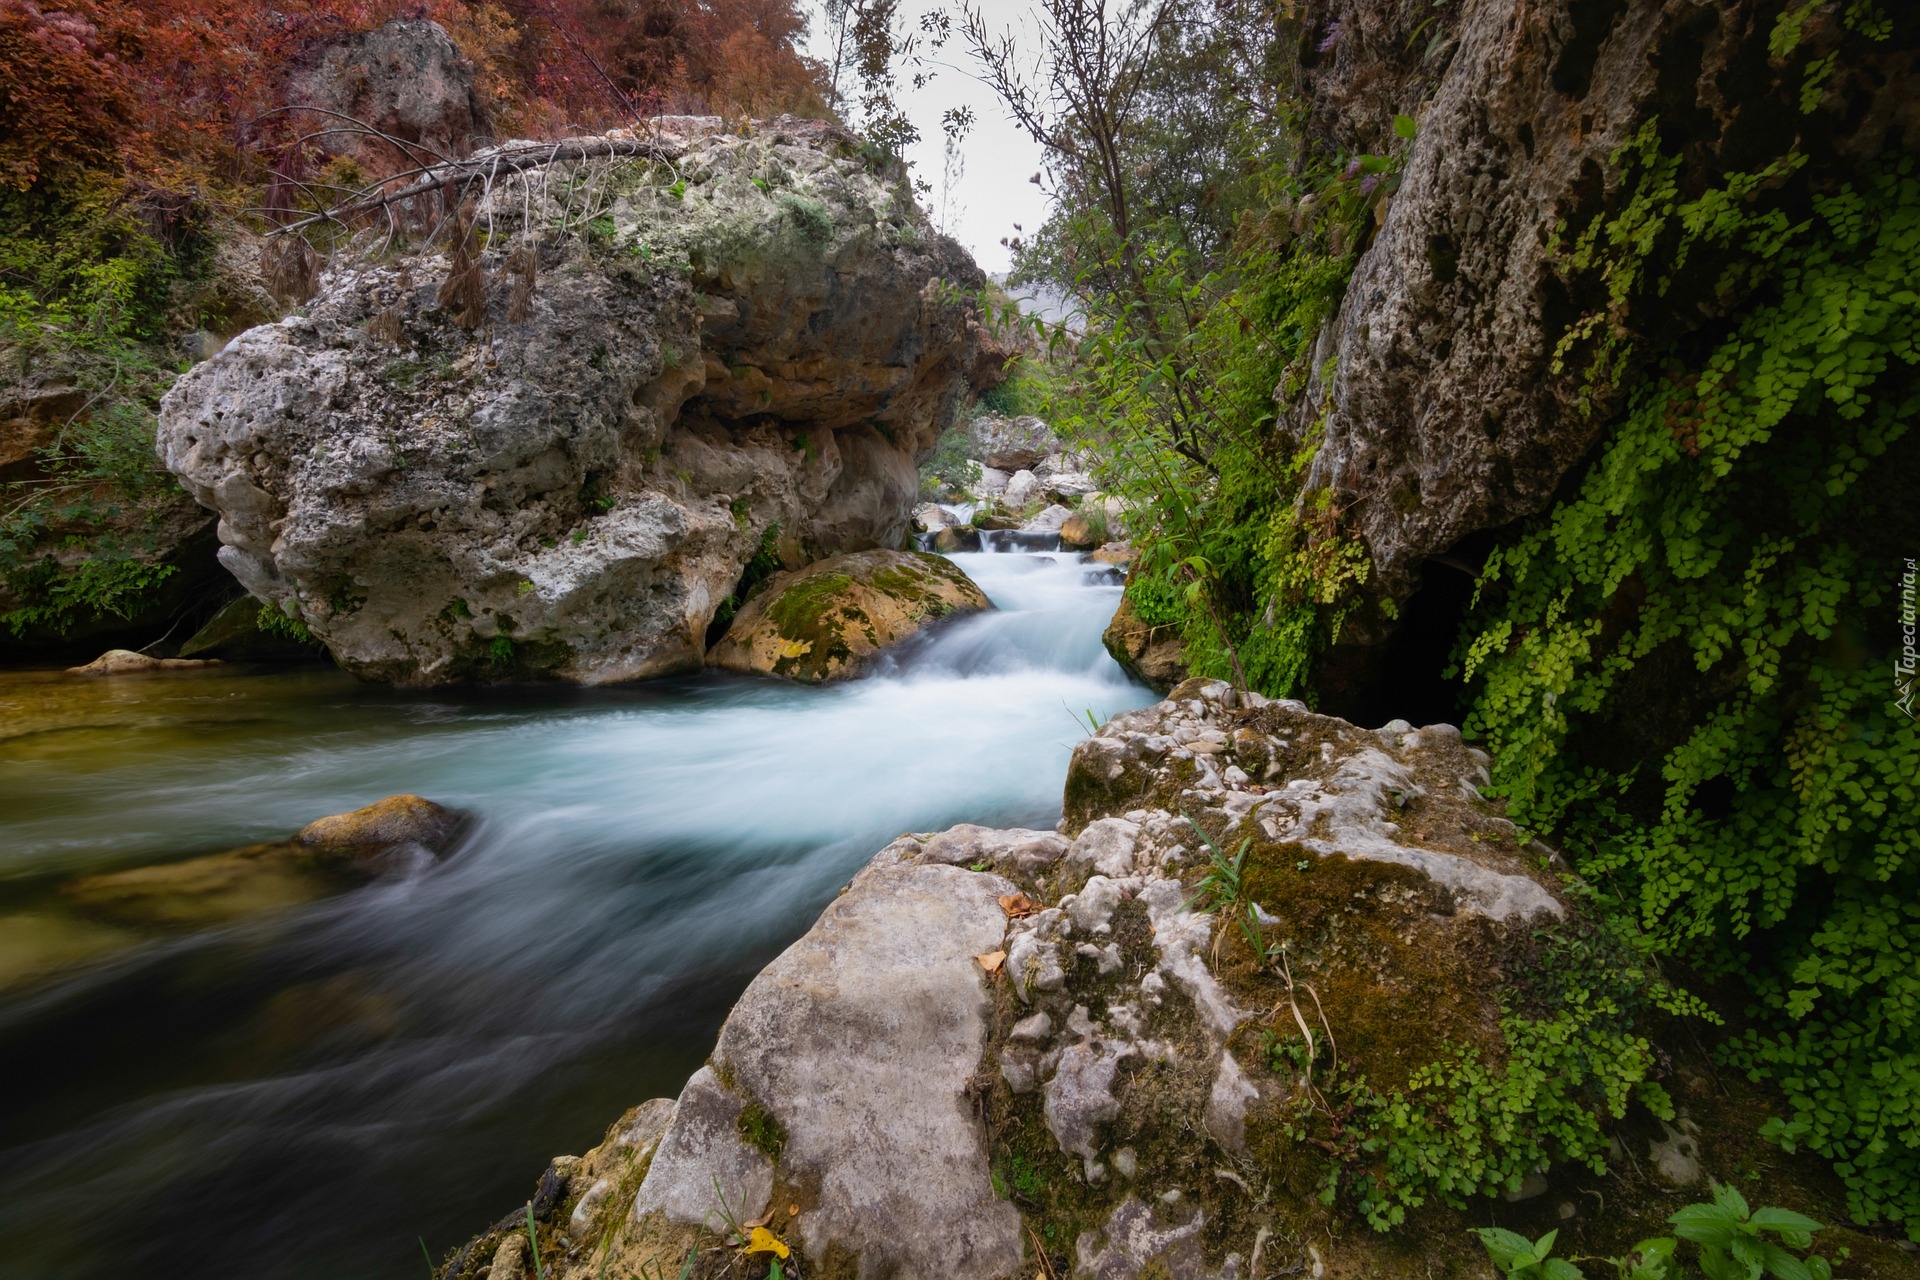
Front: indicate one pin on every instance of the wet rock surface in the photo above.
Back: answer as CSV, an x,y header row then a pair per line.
x,y
396,834
1450,408
128,662
744,352
828,621
1010,1051
1150,654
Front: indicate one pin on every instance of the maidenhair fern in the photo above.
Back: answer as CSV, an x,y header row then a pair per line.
x,y
1724,583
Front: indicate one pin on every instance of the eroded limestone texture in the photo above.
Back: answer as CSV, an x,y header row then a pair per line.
x,y
740,351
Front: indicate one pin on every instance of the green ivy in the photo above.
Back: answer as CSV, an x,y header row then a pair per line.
x,y
1683,668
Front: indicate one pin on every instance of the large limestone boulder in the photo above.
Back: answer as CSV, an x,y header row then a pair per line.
x,y
743,351
828,621
1002,1053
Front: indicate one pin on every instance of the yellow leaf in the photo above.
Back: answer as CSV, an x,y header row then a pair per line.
x,y
764,1241
992,961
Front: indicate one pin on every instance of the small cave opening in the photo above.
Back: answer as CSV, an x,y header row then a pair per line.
x,y
1405,677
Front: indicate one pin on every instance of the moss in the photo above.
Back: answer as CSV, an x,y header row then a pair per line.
x,y
761,1131
803,606
1401,977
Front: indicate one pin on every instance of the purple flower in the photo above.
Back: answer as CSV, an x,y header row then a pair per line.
x,y
1332,37
1352,170
1368,183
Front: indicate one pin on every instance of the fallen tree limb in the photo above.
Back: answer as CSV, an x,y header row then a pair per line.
x,y
484,168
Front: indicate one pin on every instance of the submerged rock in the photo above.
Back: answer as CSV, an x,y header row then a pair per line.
x,y
125,662
739,354
827,621
1153,655
957,537
324,857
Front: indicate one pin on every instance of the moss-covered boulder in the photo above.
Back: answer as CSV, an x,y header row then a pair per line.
x,y
827,621
1276,977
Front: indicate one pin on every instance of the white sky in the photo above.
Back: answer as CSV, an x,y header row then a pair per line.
x,y
994,193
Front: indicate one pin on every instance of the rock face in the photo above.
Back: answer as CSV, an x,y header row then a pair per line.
x,y
995,1033
828,620
744,352
1445,414
235,633
404,79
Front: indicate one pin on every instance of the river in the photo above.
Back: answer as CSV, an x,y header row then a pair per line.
x,y
321,1092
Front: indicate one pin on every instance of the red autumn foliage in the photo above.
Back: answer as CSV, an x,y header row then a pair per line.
x,y
179,95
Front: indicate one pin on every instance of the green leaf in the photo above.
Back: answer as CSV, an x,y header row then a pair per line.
x,y
1560,1269
1405,126
1503,1246
1728,1197
1783,1265
1707,1224
1784,1220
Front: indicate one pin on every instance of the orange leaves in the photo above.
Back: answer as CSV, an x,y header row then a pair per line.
x,y
1017,905
64,101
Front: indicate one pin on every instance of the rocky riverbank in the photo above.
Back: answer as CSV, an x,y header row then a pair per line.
x,y
1014,1052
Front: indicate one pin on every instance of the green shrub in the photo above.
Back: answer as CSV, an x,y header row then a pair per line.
x,y
948,468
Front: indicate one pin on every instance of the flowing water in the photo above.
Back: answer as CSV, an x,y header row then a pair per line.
x,y
314,1093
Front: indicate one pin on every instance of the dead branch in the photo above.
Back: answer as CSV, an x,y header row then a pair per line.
x,y
481,171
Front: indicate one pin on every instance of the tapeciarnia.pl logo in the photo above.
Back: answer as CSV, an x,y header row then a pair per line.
x,y
1906,665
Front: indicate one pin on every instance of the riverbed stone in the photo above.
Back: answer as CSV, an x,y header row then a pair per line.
x,y
1153,655
385,825
1013,444
1050,519
323,858
829,620
125,662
